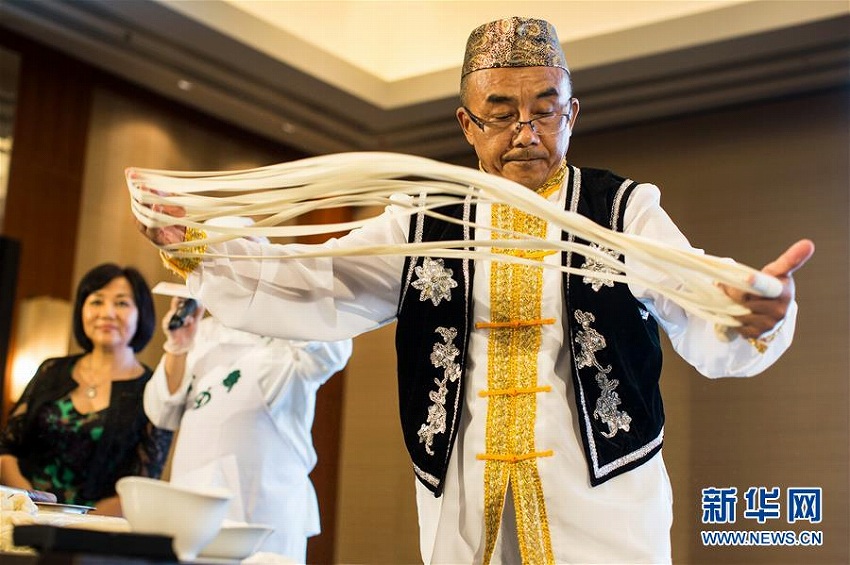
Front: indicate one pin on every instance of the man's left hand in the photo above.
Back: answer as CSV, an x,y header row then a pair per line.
x,y
766,313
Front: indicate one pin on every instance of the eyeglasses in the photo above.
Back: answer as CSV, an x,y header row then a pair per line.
x,y
546,124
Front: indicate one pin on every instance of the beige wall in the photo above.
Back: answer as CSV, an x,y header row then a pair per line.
x,y
746,182
376,512
125,132
743,182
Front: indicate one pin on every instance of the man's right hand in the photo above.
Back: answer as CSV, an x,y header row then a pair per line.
x,y
164,235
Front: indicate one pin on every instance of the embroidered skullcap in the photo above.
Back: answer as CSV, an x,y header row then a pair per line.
x,y
513,42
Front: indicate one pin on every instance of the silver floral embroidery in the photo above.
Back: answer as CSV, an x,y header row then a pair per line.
x,y
442,356
435,281
606,410
592,264
606,407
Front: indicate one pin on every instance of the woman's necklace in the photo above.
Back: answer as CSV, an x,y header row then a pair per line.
x,y
90,380
87,382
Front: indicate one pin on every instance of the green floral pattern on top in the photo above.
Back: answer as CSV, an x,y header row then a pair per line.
x,y
205,397
202,399
231,379
79,433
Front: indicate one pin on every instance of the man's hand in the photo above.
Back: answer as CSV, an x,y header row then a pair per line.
x,y
765,313
164,235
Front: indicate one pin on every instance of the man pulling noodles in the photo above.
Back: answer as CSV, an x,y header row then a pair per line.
x,y
529,397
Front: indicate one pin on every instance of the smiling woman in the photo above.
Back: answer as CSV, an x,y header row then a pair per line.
x,y
79,425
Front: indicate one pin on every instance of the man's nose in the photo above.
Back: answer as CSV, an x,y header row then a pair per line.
x,y
525,134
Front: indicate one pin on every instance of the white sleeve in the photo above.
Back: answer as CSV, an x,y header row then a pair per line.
x,y
692,337
163,409
325,299
314,361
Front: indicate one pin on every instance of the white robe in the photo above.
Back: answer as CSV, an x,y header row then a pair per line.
x,y
626,519
253,436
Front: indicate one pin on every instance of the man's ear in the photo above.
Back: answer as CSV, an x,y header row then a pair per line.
x,y
574,107
466,124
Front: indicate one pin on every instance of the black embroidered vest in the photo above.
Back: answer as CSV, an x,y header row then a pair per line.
x,y
616,352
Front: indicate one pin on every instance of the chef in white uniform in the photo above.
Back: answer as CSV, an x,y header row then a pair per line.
x,y
244,406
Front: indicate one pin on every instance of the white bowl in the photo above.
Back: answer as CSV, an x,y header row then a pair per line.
x,y
236,541
192,517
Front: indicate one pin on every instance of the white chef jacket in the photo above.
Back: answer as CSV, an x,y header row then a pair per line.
x,y
626,519
245,410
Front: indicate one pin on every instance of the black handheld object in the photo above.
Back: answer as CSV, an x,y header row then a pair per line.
x,y
187,308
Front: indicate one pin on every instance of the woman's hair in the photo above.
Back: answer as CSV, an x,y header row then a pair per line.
x,y
98,278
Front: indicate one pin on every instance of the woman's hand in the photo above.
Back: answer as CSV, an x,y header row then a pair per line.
x,y
179,340
110,506
178,343
10,473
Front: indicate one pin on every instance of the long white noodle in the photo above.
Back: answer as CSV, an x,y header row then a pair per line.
x,y
283,192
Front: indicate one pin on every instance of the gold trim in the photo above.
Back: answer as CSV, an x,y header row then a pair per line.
x,y
762,343
554,183
182,265
516,293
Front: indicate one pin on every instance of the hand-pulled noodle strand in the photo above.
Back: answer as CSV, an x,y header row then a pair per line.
x,y
717,311
284,192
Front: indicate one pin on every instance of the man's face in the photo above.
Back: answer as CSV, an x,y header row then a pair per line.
x,y
522,93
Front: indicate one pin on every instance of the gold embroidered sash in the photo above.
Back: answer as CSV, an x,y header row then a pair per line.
x,y
514,343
